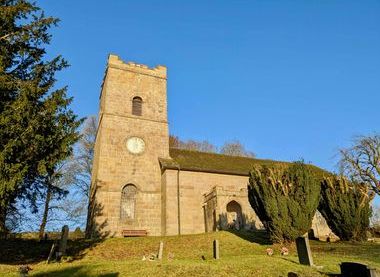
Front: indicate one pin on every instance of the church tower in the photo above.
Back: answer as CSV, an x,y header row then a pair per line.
x,y
132,136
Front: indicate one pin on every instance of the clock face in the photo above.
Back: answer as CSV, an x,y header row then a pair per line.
x,y
135,145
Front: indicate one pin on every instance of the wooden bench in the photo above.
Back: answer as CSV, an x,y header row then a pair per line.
x,y
134,233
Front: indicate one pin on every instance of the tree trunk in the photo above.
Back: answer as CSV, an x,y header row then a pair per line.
x,y
3,216
46,212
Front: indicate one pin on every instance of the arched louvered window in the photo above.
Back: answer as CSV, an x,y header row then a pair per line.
x,y
128,202
137,106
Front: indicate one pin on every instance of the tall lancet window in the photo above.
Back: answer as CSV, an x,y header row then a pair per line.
x,y
137,106
128,202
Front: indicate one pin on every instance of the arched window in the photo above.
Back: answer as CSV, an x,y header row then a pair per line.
x,y
128,202
137,106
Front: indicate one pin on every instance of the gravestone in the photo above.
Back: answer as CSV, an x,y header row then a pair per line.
x,y
216,249
303,250
51,253
350,269
160,250
63,242
24,270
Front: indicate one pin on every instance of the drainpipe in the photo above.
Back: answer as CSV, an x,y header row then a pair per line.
x,y
178,201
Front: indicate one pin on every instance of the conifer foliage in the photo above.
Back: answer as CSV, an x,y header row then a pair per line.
x,y
285,199
345,206
37,127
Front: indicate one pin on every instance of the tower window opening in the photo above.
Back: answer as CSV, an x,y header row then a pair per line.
x,y
128,202
137,106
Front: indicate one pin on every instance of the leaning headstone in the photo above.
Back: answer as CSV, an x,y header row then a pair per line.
x,y
216,249
350,269
63,242
303,250
160,250
51,253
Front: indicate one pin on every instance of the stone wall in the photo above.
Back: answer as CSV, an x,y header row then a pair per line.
x,y
114,165
203,203
193,190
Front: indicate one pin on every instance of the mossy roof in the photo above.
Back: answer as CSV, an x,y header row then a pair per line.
x,y
189,160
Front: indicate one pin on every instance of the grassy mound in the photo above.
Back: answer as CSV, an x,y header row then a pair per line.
x,y
242,254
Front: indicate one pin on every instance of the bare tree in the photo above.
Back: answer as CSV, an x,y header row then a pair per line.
x,y
55,189
361,161
81,163
72,177
174,141
202,146
230,148
235,148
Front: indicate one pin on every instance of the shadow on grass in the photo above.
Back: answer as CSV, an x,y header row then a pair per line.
x,y
260,237
29,251
76,271
366,252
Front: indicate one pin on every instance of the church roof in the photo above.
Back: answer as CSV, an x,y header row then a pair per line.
x,y
189,160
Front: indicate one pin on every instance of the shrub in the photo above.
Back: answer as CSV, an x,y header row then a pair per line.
x,y
285,198
345,206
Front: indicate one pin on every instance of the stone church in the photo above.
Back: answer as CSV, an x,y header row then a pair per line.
x,y
140,186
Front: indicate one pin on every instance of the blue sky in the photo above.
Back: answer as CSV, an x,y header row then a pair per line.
x,y
289,79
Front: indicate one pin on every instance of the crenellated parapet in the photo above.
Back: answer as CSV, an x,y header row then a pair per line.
x,y
115,62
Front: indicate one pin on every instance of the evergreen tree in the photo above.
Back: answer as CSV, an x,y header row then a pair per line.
x,y
37,127
345,206
285,198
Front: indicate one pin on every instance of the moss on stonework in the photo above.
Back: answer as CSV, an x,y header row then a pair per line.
x,y
218,163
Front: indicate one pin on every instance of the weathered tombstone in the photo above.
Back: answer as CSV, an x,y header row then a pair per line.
x,y
350,269
216,249
160,250
303,250
63,242
51,253
24,270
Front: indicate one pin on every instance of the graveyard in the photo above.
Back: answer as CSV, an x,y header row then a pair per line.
x,y
189,138
241,254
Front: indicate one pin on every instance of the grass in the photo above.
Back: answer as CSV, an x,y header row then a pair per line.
x,y
242,254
